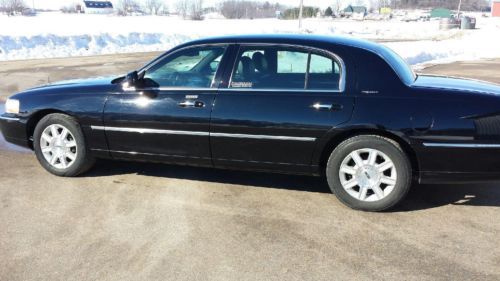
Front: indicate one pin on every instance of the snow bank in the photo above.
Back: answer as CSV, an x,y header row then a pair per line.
x,y
61,35
472,45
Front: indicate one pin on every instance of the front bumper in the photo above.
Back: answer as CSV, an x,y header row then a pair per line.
x,y
14,130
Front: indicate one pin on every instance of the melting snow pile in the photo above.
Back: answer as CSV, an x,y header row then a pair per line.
x,y
62,35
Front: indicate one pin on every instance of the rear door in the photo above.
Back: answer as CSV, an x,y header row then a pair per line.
x,y
279,102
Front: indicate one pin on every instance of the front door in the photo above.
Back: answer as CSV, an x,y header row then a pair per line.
x,y
166,117
279,103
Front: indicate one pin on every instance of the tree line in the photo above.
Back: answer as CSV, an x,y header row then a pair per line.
x,y
249,9
469,5
12,6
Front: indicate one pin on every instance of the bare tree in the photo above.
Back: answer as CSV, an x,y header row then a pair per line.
x,y
383,3
11,7
338,5
125,7
182,7
196,8
153,6
192,9
233,9
69,9
237,9
470,5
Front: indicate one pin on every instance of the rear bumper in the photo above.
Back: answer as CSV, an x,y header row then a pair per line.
x,y
456,177
14,130
459,162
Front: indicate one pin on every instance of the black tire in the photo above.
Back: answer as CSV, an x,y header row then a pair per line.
x,y
384,145
83,161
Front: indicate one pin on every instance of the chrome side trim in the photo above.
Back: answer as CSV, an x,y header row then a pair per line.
x,y
196,133
463,145
149,131
147,154
259,162
304,91
268,137
9,118
97,127
166,89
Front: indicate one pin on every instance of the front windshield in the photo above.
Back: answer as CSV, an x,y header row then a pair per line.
x,y
399,65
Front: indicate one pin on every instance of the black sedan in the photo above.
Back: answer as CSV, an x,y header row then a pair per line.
x,y
347,109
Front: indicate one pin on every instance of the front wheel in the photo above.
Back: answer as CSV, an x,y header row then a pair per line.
x,y
60,146
369,173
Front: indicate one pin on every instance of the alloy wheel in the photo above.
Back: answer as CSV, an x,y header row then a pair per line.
x,y
368,174
58,146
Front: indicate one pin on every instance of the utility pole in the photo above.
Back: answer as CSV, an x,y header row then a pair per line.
x,y
300,12
459,6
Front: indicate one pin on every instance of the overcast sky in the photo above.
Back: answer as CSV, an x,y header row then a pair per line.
x,y
56,4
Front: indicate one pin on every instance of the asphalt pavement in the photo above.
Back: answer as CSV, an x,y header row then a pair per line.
x,y
140,221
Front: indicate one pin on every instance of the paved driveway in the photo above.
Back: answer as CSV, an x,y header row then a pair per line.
x,y
136,221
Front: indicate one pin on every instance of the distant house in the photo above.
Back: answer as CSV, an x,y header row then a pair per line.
x,y
97,7
495,8
441,13
355,10
385,11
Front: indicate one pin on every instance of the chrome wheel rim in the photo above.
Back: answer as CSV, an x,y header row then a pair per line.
x,y
368,174
58,146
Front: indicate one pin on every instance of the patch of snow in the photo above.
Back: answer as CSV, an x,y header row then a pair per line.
x,y
61,35
476,44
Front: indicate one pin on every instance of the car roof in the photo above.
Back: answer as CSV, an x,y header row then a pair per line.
x,y
399,65
301,39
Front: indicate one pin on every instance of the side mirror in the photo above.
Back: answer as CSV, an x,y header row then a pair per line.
x,y
131,80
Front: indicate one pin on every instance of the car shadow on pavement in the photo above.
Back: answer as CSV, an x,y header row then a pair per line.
x,y
259,179
420,197
430,196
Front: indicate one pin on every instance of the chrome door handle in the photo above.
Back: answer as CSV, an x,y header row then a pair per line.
x,y
334,107
186,103
191,103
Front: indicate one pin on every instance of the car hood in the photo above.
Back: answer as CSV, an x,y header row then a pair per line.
x,y
88,82
459,84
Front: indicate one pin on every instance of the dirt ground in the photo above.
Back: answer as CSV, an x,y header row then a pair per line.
x,y
137,221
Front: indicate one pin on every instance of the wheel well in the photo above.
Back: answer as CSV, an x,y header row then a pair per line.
x,y
335,141
33,121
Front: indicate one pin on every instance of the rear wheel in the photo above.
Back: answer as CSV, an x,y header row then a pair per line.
x,y
60,146
369,173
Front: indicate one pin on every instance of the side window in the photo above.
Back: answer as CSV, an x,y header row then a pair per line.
x,y
191,68
270,68
284,68
292,62
250,64
324,73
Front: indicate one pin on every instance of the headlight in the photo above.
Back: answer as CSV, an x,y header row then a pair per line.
x,y
12,106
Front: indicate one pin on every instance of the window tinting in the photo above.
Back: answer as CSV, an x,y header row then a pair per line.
x,y
284,68
292,62
324,73
191,68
